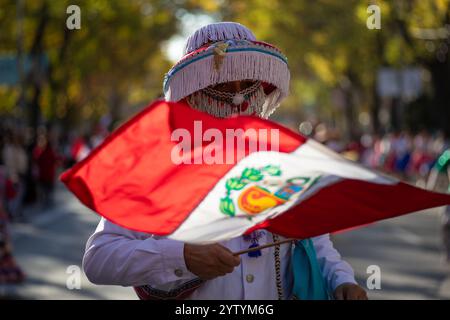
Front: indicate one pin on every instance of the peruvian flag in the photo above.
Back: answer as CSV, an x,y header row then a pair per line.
x,y
177,172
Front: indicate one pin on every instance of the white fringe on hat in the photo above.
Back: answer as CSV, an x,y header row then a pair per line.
x,y
236,66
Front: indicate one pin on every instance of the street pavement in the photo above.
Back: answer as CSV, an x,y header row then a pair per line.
x,y
47,243
406,249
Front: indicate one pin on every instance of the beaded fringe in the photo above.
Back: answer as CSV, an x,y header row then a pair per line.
x,y
222,109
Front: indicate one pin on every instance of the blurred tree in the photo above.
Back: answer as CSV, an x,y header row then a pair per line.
x,y
329,46
115,59
114,56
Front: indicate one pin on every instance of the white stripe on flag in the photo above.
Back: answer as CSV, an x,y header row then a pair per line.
x,y
312,160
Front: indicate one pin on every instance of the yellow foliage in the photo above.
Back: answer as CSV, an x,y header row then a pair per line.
x,y
321,66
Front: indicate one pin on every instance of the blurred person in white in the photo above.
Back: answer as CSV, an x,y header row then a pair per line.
x,y
15,161
161,268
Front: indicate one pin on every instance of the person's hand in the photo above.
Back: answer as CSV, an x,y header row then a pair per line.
x,y
209,261
350,291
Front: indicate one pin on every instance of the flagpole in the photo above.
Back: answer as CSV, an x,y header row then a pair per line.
x,y
263,246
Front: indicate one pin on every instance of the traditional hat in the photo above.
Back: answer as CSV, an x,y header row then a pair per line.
x,y
224,52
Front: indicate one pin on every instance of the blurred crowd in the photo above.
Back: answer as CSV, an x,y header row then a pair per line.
x,y
421,158
28,172
412,156
406,155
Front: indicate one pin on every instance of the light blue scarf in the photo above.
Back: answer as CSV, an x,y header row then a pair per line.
x,y
309,283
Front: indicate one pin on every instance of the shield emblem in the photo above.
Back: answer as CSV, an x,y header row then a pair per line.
x,y
255,199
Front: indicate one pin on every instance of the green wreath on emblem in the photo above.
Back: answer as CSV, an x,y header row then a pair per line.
x,y
238,183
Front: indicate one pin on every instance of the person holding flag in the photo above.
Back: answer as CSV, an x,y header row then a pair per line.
x,y
225,72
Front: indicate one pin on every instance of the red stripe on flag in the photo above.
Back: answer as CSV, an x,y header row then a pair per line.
x,y
132,181
350,203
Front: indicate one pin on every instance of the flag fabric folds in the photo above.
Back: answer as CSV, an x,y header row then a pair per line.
x,y
177,172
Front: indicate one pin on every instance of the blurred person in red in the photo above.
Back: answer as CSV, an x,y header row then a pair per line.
x,y
10,272
46,161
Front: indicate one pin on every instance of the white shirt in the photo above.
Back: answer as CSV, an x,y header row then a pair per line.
x,y
118,256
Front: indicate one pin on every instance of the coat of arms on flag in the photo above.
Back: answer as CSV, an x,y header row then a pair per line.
x,y
260,189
